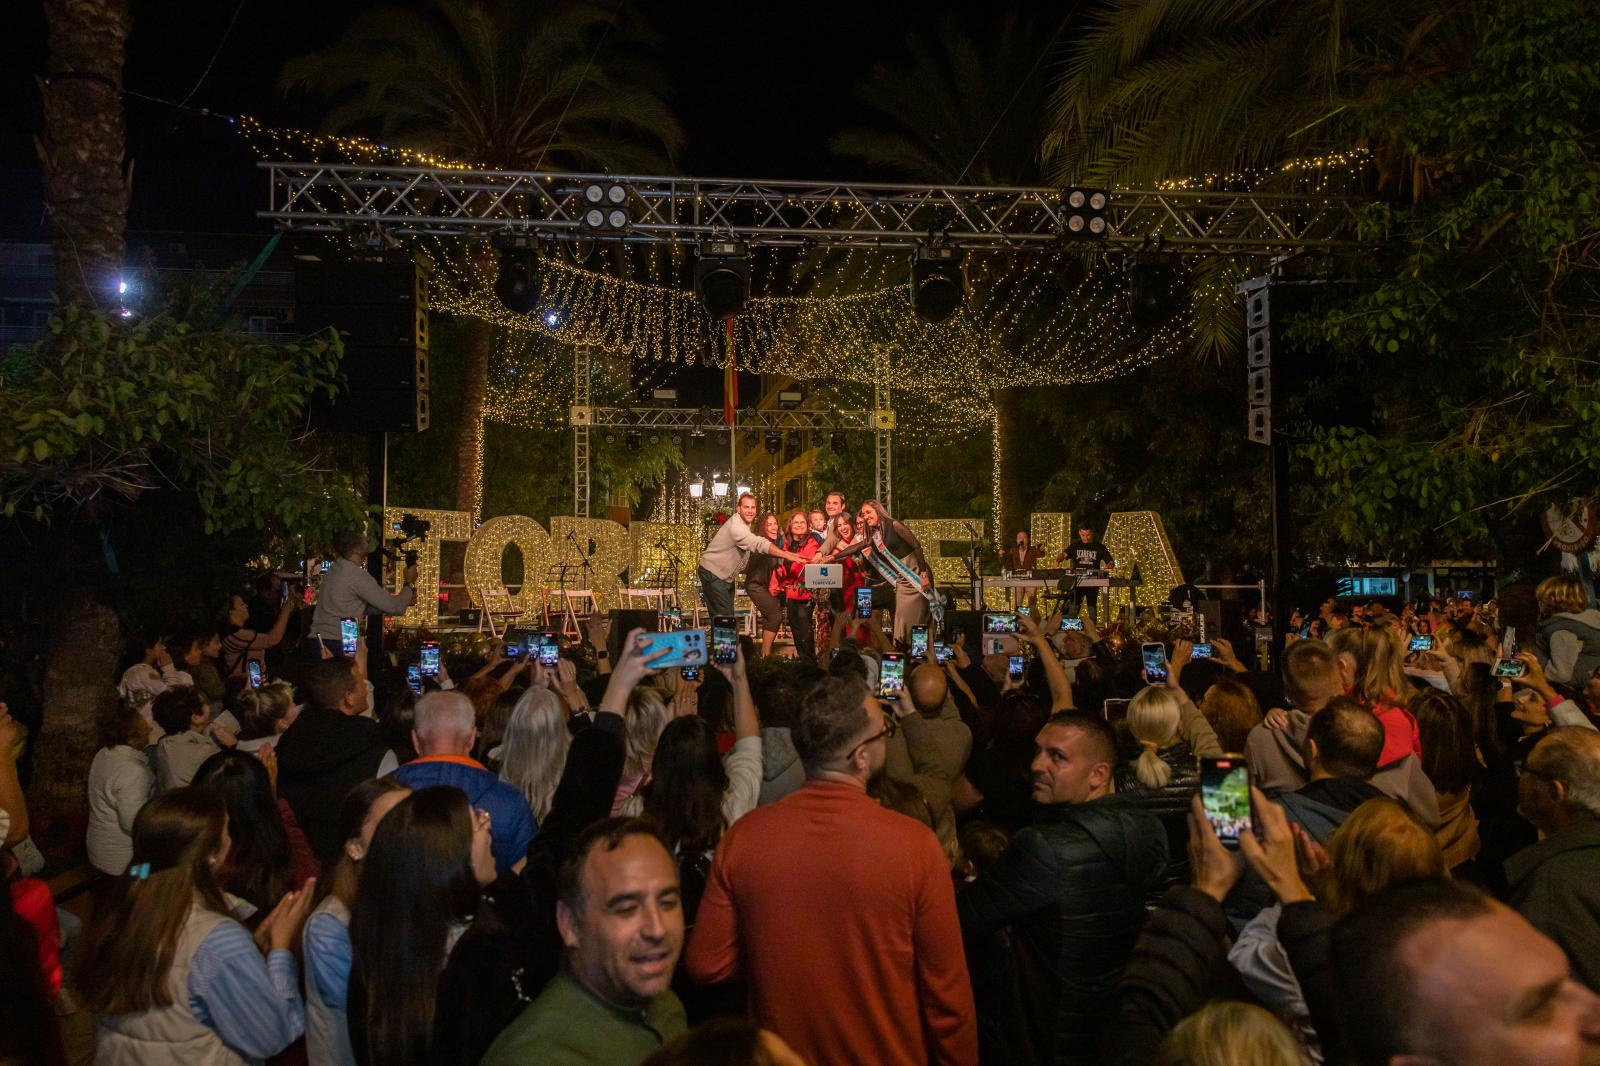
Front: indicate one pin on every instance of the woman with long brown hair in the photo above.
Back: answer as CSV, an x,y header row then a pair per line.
x,y
901,563
434,976
758,584
326,943
789,578
170,976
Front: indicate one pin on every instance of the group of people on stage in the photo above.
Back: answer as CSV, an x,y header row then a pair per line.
x,y
876,550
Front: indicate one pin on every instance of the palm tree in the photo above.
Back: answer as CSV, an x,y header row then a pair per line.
x,y
81,147
1153,90
966,109
504,84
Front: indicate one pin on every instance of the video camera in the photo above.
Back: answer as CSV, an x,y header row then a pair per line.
x,y
410,528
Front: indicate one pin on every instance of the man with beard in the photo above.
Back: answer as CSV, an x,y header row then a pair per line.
x,y
839,913
1070,891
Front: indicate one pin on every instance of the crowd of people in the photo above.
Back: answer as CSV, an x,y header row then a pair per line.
x,y
609,862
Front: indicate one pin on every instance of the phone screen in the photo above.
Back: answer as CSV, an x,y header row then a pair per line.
x,y
1225,793
513,650
891,676
1510,668
1000,623
1421,642
414,678
941,652
919,642
1014,667
724,639
549,650
1155,662
430,659
349,634
1072,624
253,669
690,673
1203,650
1024,609
863,602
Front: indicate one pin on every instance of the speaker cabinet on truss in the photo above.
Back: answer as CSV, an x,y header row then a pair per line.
x,y
380,308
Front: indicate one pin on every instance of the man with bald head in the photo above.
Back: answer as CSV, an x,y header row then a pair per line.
x,y
445,731
932,745
1555,884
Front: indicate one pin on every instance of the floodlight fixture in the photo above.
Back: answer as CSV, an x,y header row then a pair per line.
x,y
517,281
722,278
938,285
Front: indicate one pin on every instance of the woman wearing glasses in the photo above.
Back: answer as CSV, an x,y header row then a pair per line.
x,y
435,976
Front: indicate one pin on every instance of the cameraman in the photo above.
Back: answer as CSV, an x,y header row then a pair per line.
x,y
348,591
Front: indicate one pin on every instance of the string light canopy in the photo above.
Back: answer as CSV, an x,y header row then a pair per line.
x,y
1049,315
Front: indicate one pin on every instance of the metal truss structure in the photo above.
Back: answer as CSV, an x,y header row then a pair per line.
x,y
586,417
441,201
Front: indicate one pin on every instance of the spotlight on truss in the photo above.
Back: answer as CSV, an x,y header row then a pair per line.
x,y
722,278
938,286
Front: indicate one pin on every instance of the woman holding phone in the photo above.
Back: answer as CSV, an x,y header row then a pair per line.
x,y
758,584
841,602
789,577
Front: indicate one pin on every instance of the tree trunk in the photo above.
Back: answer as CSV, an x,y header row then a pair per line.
x,y
82,147
469,439
1014,507
79,688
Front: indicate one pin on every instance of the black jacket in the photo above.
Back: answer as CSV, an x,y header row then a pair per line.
x,y
1555,884
321,757
1051,924
1170,803
1179,963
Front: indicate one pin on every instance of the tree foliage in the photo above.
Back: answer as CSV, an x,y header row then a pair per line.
x,y
1479,342
101,411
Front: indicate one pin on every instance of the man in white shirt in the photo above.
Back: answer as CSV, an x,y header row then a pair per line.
x,y
728,553
348,591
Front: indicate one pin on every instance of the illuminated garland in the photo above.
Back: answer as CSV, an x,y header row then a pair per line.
x,y
1019,328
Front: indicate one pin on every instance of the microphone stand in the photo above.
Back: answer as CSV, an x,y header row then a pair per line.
x,y
971,560
668,579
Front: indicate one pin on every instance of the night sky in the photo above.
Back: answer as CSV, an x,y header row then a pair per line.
x,y
759,87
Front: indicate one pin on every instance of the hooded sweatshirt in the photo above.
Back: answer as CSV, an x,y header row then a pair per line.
x,y
1568,646
321,757
1277,765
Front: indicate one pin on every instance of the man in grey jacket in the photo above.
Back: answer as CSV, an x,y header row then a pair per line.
x,y
729,553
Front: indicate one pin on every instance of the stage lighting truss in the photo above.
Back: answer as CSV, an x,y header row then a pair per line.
x,y
332,197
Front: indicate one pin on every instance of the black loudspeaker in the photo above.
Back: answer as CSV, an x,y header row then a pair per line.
x,y
968,622
380,309
620,623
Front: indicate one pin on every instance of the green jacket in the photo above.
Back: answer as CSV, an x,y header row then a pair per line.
x,y
569,1026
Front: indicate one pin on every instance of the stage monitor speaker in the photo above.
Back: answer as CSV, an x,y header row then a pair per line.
x,y
380,309
968,622
619,623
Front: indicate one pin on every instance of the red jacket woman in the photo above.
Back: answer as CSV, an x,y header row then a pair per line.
x,y
789,578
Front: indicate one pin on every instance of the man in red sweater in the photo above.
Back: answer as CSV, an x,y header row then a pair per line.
x,y
840,913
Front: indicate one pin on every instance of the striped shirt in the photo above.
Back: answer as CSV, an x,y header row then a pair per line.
x,y
253,1004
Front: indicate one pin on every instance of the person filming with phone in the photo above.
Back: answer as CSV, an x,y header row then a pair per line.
x,y
349,591
729,552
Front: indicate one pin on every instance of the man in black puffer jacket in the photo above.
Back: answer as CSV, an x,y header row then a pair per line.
x,y
1050,926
